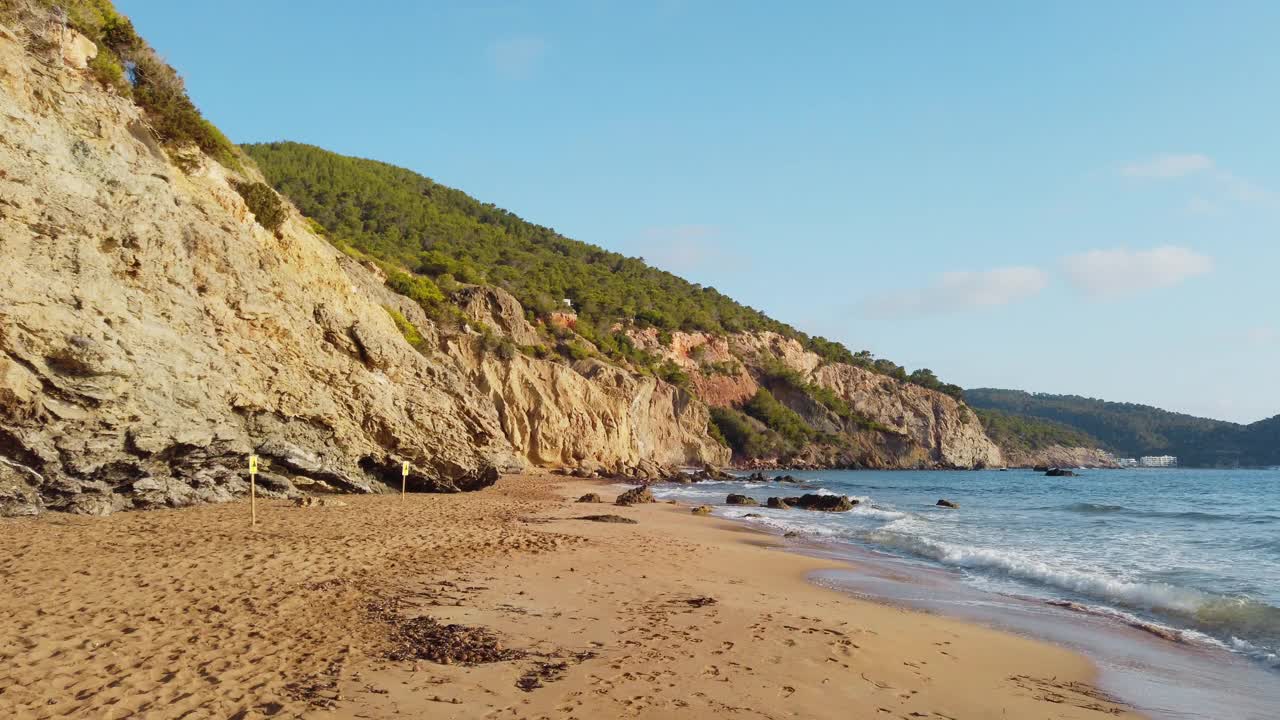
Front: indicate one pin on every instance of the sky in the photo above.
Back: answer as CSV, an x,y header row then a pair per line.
x,y
1073,197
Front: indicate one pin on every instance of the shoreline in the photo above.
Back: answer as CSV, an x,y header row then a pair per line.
x,y
677,615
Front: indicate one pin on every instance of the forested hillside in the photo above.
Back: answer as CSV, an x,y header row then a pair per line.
x,y
444,236
1026,433
1133,430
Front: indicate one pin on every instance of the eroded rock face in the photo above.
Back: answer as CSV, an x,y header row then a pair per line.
x,y
152,336
929,429
950,434
1060,456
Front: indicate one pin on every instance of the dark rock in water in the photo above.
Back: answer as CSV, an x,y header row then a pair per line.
x,y
608,519
785,479
825,503
755,477
591,498
701,510
948,504
778,503
712,473
1059,472
752,515
790,534
734,499
1041,468
635,496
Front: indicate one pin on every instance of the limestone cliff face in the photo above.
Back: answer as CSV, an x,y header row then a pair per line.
x,y
1060,456
152,335
928,428
588,415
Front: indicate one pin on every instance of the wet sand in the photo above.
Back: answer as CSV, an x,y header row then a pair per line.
x,y
190,613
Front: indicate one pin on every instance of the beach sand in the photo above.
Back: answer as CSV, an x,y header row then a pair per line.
x,y
192,614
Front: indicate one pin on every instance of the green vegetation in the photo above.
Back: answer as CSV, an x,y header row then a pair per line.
x,y
742,435
1134,430
407,220
777,374
407,329
263,202
1021,432
764,407
125,62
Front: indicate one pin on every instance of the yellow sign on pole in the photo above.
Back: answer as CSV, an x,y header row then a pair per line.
x,y
253,490
404,478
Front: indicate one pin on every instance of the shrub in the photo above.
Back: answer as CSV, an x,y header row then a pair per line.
x,y
740,435
673,374
415,287
263,202
506,349
106,70
764,407
407,329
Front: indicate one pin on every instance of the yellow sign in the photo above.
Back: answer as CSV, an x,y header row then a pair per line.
x,y
404,469
253,463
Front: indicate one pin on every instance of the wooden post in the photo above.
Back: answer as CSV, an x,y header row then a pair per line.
x,y
253,490
404,478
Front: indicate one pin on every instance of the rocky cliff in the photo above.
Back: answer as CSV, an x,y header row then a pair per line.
x,y
153,334
1060,456
893,424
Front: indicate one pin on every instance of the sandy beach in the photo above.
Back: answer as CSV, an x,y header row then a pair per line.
x,y
317,613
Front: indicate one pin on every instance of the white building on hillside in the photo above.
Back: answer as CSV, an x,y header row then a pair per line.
x,y
1158,461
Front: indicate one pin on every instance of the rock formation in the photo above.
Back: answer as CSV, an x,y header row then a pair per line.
x,y
153,335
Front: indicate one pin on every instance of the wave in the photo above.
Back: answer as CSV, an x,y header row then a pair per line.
x,y
1201,611
1099,509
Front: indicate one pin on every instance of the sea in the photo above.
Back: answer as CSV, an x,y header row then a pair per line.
x,y
1169,579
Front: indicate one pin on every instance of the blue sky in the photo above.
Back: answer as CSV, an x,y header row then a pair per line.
x,y
1077,197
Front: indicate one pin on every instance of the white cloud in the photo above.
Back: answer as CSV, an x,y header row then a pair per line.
x,y
517,57
1119,271
957,291
1167,166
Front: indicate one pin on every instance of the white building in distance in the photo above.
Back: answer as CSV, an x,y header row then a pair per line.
x,y
1158,461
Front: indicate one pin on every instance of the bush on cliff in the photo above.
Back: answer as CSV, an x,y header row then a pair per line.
x,y
764,407
407,328
263,202
126,62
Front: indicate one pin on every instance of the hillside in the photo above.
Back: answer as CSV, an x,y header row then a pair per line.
x,y
445,236
1132,430
1028,441
779,396
164,313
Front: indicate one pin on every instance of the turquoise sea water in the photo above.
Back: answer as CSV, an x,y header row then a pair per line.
x,y
1195,553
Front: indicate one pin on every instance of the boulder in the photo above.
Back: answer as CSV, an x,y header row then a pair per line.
x,y
590,498
735,499
948,504
778,503
701,510
825,503
635,496
1059,472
